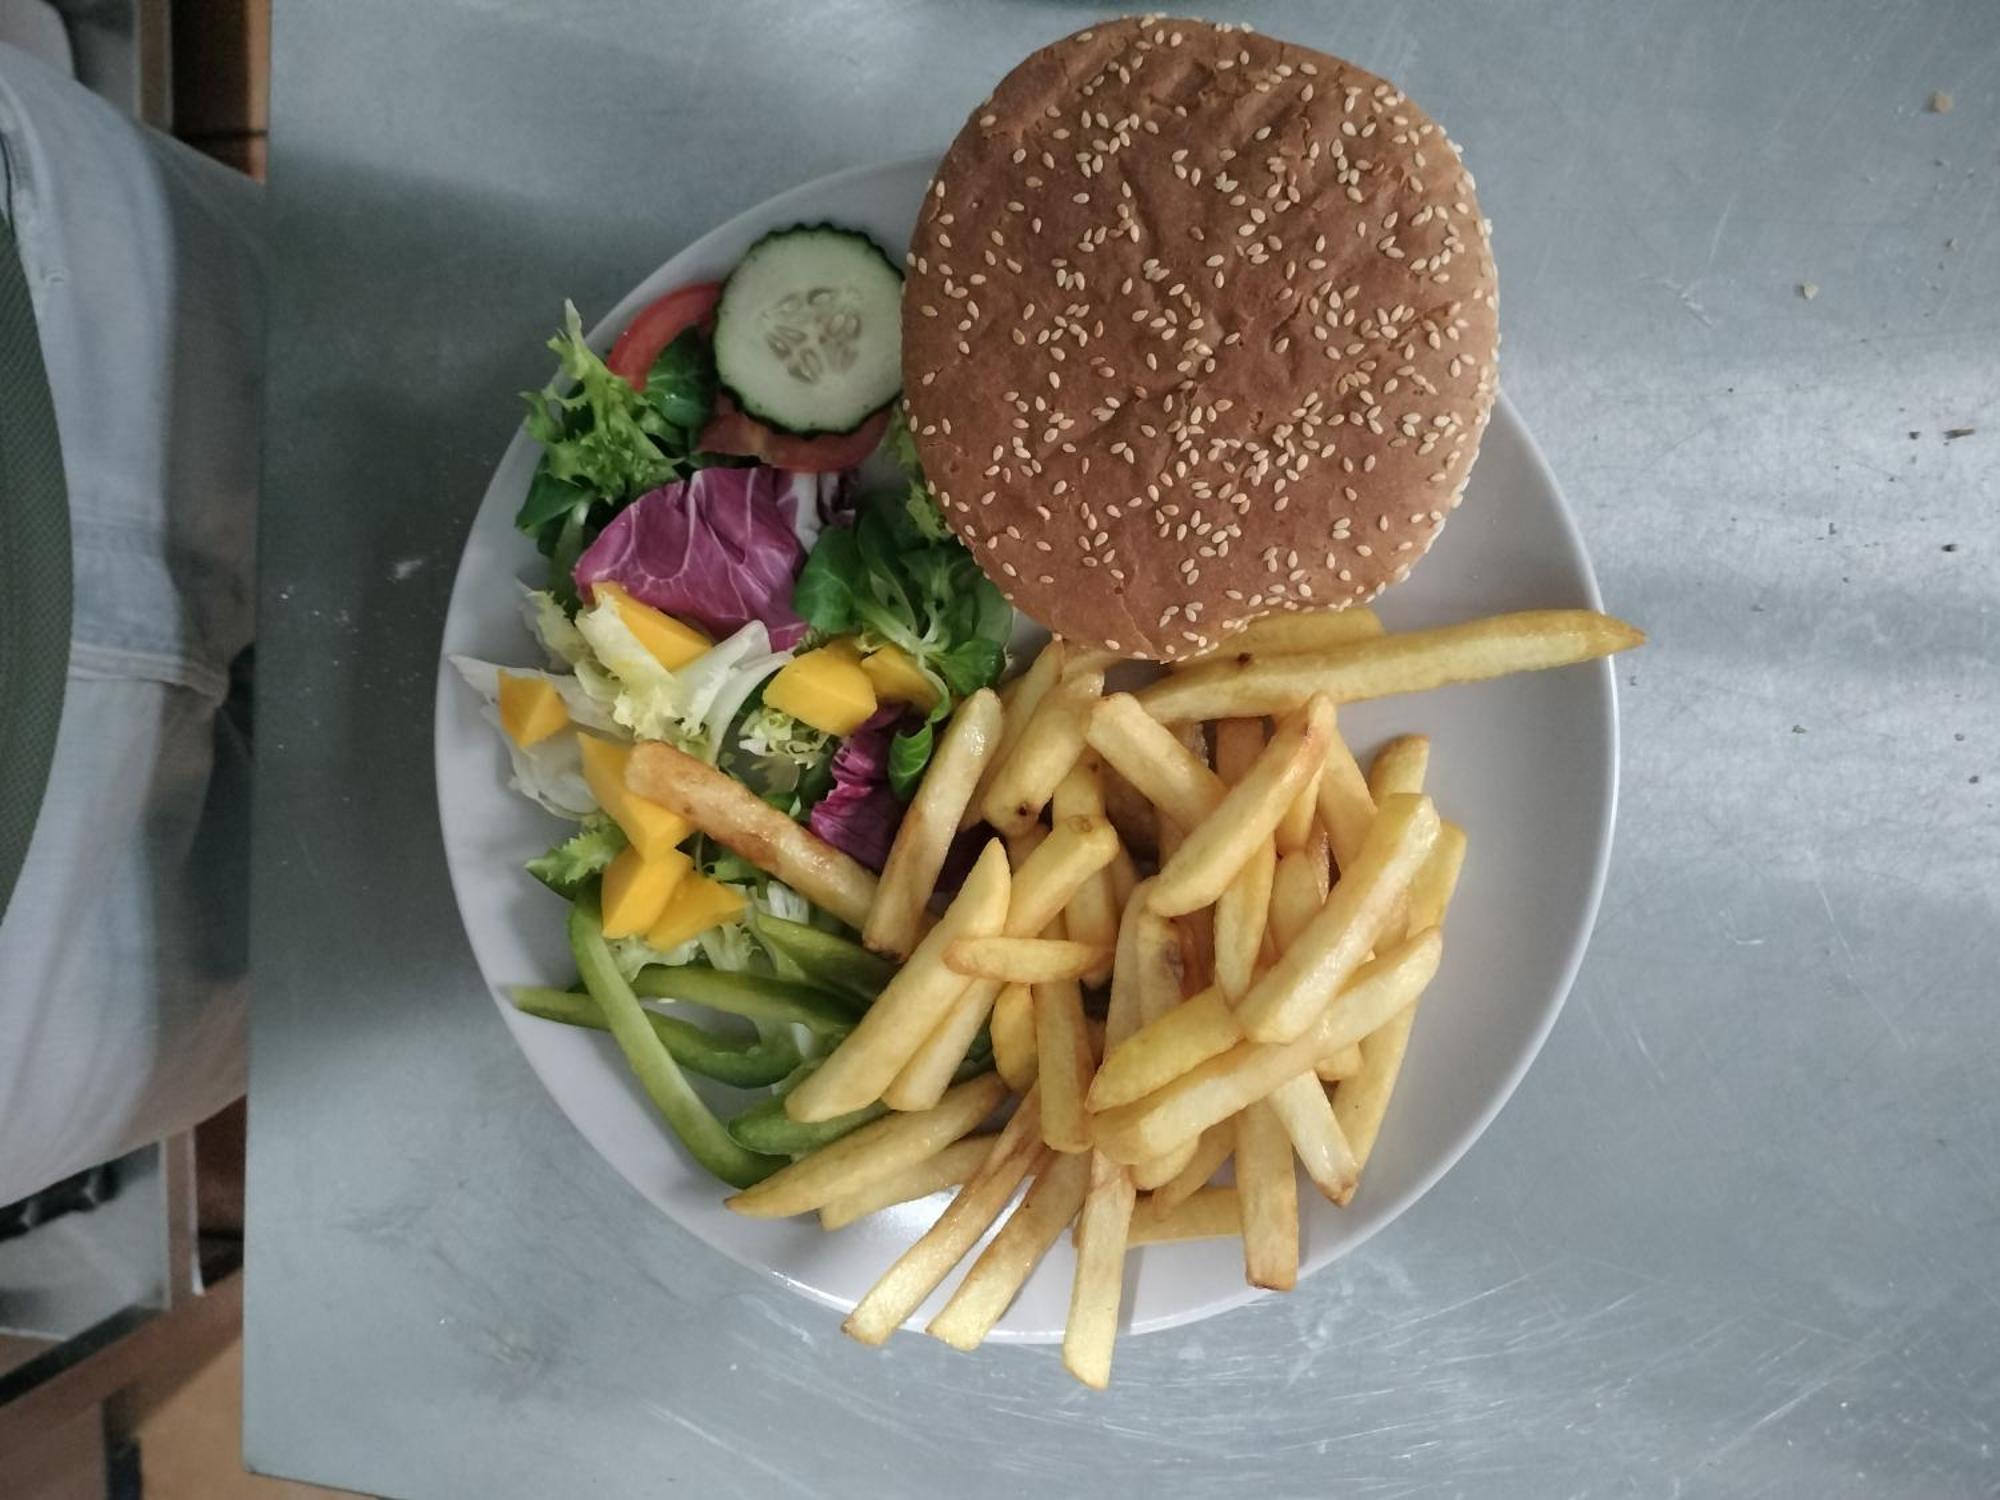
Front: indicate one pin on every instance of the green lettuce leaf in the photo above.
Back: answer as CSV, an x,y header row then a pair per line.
x,y
566,867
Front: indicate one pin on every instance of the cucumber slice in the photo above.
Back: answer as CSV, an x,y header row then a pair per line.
x,y
809,331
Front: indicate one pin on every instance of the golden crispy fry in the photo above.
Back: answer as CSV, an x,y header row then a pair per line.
x,y
1023,784
1014,1037
1217,1088
1410,662
1020,960
875,1151
1289,634
1017,1151
1361,1100
1047,870
1063,1064
1150,756
1124,1011
1211,854
1291,994
1399,766
1296,827
1346,810
1091,914
1157,1171
1343,1063
911,1006
896,921
1296,896
1241,913
1092,1329
996,1278
1124,877
1160,970
1211,1149
1210,1213
1197,1029
1022,697
1088,659
1268,1193
951,1167
737,818
1301,1105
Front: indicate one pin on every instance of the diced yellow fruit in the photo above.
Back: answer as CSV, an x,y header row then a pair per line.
x,y
698,904
897,679
637,890
846,647
653,829
530,709
671,642
824,689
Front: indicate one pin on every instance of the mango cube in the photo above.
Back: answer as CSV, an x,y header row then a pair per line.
x,y
637,890
652,829
697,904
825,689
530,709
897,679
672,643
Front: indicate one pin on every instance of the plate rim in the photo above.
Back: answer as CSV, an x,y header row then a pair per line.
x,y
599,338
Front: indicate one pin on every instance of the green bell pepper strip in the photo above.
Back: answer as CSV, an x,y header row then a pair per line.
x,y
835,962
766,1127
707,1140
757,996
744,1065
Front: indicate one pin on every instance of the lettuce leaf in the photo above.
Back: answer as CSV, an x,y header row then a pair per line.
x,y
566,867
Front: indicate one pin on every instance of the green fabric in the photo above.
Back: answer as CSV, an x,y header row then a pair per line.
x,y
34,570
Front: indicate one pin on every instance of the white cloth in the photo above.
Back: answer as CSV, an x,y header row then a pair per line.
x,y
121,950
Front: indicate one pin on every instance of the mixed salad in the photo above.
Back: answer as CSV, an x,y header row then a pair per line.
x,y
743,560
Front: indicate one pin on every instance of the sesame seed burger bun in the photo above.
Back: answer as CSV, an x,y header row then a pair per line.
x,y
1197,325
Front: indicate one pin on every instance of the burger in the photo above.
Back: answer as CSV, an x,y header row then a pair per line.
x,y
1198,325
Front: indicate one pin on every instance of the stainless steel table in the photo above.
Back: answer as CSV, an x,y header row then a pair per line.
x,y
1739,1234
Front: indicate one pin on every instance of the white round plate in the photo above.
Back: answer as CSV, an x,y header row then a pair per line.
x,y
1527,765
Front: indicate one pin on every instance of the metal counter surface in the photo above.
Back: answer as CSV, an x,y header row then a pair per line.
x,y
1735,1236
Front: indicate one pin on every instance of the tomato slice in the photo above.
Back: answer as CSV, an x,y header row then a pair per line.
x,y
657,326
730,431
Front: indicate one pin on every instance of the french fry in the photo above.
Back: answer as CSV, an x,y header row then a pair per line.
x,y
1091,914
1022,696
1301,1105
996,1278
1156,1171
1293,992
1088,659
1197,1029
1211,854
1021,960
1014,1037
1344,1063
737,818
1362,1099
896,920
1211,1149
1295,828
1268,1193
1215,1089
1016,1152
1210,1213
1410,662
1063,1064
1050,744
1399,766
951,1167
1296,896
876,1151
1288,634
911,1006
1159,969
1092,1329
1241,914
1346,810
1150,756
1043,880
1124,1011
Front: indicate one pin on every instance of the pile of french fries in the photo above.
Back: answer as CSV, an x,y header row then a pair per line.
x,y
1198,938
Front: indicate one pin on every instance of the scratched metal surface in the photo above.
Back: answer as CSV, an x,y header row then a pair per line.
x,y
1737,1234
